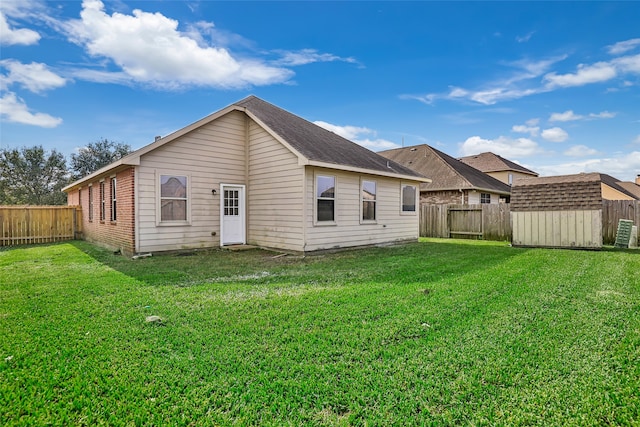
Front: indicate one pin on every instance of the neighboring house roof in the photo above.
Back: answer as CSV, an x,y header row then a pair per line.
x,y
312,144
631,187
563,192
446,172
490,162
617,185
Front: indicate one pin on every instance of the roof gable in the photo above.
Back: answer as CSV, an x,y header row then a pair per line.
x,y
490,162
311,143
446,172
316,143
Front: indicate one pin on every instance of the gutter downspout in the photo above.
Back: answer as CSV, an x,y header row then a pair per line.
x,y
461,196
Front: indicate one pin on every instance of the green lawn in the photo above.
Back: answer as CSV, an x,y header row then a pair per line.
x,y
433,333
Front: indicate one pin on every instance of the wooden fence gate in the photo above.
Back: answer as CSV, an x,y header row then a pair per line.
x,y
485,221
23,225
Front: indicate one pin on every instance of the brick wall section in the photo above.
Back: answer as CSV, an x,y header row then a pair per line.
x,y
446,197
116,235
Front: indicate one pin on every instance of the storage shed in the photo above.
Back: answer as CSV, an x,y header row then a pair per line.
x,y
558,211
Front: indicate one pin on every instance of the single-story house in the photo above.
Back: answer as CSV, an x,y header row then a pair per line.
x,y
251,173
562,211
498,167
452,181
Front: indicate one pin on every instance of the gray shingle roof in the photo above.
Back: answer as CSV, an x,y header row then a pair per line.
x,y
316,143
563,192
446,172
490,162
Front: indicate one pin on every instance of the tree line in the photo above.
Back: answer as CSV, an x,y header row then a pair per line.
x,y
35,176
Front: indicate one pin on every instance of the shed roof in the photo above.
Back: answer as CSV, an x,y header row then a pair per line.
x,y
446,172
490,162
557,193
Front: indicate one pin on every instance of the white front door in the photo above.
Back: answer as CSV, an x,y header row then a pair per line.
x,y
232,214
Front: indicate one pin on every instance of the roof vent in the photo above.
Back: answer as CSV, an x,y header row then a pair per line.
x,y
158,137
413,149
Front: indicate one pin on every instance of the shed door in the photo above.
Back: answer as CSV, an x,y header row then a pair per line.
x,y
232,214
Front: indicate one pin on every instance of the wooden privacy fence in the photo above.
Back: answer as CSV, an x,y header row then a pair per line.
x,y
615,210
493,222
23,225
485,221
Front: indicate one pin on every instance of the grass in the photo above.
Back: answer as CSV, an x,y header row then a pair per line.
x,y
433,333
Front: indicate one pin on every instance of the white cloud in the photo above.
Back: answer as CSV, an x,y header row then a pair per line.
x,y
21,36
357,135
532,122
518,84
623,166
149,48
567,116
628,64
555,134
602,115
531,130
586,74
580,151
623,47
309,56
636,140
525,38
503,146
13,109
35,77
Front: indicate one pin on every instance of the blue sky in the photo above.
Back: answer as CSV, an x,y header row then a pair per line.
x,y
554,86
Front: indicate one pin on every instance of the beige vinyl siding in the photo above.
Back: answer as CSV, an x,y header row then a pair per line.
x,y
210,155
348,230
609,193
275,193
504,175
569,229
474,197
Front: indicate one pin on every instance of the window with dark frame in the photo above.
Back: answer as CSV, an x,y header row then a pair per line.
x,y
173,198
368,200
102,202
485,198
91,203
114,215
408,198
325,198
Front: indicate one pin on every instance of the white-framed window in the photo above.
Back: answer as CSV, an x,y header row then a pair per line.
x,y
114,215
90,203
103,205
510,179
368,196
325,199
174,198
485,198
408,198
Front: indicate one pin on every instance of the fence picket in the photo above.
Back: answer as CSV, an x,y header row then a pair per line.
x,y
496,220
23,225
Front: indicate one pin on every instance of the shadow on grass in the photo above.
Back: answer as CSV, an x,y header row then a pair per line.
x,y
408,263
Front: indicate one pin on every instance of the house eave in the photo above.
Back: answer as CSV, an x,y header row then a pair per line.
x,y
109,169
367,171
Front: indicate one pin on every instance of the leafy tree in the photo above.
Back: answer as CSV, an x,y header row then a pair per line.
x,y
32,176
97,155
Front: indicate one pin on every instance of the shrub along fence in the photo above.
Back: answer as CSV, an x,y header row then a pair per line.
x,y
493,221
23,225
